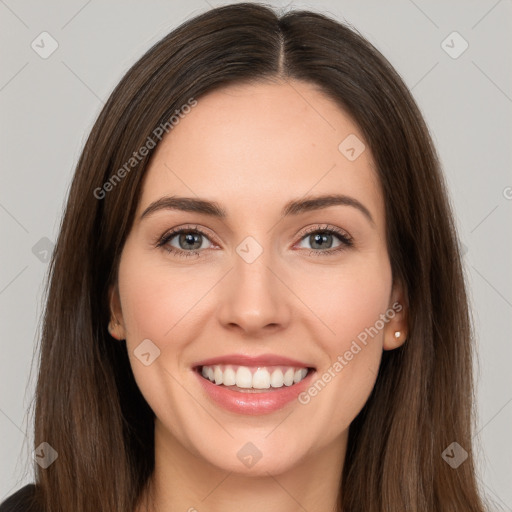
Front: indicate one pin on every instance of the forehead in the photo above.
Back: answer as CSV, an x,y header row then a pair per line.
x,y
264,142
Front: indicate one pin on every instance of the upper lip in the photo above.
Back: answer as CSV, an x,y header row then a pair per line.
x,y
261,360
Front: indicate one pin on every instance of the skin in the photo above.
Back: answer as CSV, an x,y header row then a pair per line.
x,y
252,148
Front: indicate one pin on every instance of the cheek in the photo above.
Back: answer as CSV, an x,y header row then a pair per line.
x,y
157,305
349,300
357,308
157,300
351,311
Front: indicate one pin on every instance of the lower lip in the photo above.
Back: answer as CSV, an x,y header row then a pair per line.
x,y
259,402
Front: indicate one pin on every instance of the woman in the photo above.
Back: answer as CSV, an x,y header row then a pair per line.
x,y
254,371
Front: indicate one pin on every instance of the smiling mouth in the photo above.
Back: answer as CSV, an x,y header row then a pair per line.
x,y
253,379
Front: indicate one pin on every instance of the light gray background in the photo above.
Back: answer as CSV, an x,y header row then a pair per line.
x,y
49,105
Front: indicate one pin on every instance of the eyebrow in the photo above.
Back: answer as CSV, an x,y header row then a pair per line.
x,y
292,208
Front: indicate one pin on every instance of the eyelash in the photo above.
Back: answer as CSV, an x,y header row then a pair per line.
x,y
346,241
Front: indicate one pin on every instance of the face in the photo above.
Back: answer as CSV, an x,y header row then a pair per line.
x,y
307,288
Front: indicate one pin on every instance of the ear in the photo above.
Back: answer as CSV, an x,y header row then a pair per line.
x,y
396,331
116,324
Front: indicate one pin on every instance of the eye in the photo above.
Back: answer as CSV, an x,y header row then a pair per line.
x,y
321,237
189,241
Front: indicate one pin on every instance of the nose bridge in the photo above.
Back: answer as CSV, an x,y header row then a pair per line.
x,y
254,298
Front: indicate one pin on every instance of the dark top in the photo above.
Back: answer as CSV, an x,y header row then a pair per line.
x,y
20,501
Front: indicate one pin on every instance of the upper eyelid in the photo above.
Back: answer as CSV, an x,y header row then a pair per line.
x,y
325,227
171,233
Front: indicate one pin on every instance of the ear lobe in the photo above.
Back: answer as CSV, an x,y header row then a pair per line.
x,y
395,332
116,324
394,340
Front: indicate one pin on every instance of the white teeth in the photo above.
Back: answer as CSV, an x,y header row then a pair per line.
x,y
243,377
299,375
261,379
256,378
217,374
229,377
277,379
288,377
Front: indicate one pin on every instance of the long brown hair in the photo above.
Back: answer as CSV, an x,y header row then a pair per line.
x,y
88,406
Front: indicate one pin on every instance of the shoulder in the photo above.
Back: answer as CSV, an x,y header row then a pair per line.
x,y
21,501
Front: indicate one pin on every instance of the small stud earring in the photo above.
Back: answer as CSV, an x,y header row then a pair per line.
x,y
397,334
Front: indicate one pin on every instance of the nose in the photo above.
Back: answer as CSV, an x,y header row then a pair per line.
x,y
254,298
